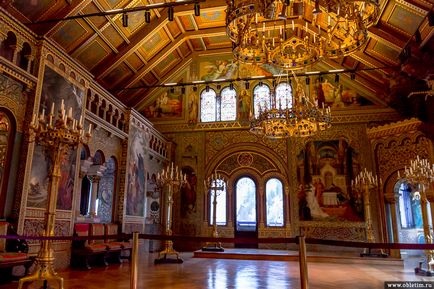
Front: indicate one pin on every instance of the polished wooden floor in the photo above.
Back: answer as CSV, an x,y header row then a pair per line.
x,y
238,274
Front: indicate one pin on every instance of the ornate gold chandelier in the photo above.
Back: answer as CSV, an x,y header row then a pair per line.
x,y
295,34
299,116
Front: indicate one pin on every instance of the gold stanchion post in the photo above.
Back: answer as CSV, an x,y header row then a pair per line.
x,y
302,260
58,135
364,182
134,261
173,179
420,173
215,186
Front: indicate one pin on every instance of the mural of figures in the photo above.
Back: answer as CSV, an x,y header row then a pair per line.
x,y
153,202
166,105
135,203
188,192
193,107
325,170
244,102
106,188
54,89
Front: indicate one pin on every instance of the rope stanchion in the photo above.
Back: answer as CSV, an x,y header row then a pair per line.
x,y
302,260
134,261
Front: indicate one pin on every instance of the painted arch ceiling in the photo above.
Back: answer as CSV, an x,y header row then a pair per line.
x,y
148,54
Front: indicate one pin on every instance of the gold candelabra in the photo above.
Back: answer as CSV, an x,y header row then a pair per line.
x,y
364,182
421,174
173,179
58,134
215,185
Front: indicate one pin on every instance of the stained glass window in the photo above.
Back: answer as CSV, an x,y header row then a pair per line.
x,y
208,105
221,107
274,202
246,204
221,205
261,97
410,211
283,95
228,103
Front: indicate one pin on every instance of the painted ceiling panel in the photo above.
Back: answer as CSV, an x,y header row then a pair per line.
x,y
93,53
113,36
113,3
98,21
167,63
349,62
72,34
149,79
118,74
187,23
386,51
185,49
404,19
154,44
217,42
174,29
197,44
33,10
135,61
136,20
211,19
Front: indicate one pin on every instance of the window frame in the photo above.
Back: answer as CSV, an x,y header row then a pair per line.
x,y
266,206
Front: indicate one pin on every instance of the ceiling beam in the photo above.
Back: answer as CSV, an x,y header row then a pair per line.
x,y
212,32
140,37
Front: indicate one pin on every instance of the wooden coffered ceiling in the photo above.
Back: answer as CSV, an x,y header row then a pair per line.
x,y
148,54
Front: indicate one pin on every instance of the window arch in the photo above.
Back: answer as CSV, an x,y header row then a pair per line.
x,y
208,105
215,107
245,204
410,212
261,98
274,203
228,104
221,217
284,95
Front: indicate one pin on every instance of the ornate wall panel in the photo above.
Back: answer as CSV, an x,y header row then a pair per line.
x,y
14,98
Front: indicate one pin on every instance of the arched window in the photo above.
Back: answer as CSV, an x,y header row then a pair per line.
x,y
221,204
409,208
208,105
218,108
7,135
261,98
274,202
246,204
228,104
283,95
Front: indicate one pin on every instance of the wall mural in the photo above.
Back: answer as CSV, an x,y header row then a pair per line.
x,y
54,89
136,180
188,192
325,170
167,105
105,192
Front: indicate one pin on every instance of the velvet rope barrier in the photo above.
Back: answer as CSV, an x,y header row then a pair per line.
x,y
231,240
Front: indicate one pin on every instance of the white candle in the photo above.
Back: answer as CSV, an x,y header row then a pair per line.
x,y
52,109
70,112
293,25
62,105
90,128
81,121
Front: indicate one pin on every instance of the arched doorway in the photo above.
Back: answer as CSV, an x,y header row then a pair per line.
x,y
7,135
246,224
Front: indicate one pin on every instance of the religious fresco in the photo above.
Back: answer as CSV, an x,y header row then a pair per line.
x,y
336,95
166,105
105,192
193,107
324,171
72,96
226,68
188,192
136,179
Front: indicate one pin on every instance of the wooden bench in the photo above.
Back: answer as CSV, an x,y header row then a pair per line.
x,y
126,246
83,252
12,253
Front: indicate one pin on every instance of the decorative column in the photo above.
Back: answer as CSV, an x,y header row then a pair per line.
x,y
391,200
94,175
364,182
172,179
420,174
58,135
214,185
